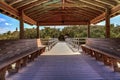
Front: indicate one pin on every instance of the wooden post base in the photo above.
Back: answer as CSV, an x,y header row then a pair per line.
x,y
2,73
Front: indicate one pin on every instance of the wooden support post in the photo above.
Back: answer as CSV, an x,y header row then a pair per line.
x,y
38,31
88,32
2,73
21,24
107,19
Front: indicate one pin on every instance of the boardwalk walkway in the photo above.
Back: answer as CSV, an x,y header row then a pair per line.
x,y
61,63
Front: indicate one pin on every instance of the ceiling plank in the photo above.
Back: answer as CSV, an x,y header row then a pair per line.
x,y
83,13
43,6
14,2
107,2
88,5
76,15
23,3
36,3
40,11
92,2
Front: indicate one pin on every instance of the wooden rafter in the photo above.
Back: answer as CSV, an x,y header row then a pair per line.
x,y
91,10
92,2
41,11
89,5
107,2
14,2
13,11
61,23
43,6
73,14
83,13
65,10
36,3
23,3
102,16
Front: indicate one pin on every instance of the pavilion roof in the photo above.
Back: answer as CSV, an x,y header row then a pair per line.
x,y
60,12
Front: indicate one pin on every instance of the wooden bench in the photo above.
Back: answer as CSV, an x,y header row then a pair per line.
x,y
18,53
105,50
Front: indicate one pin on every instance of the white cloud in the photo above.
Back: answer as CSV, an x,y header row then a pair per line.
x,y
3,30
2,20
8,24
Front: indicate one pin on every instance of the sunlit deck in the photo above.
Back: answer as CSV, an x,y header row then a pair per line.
x,y
60,63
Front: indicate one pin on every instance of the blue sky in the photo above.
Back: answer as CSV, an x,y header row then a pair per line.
x,y
9,24
115,20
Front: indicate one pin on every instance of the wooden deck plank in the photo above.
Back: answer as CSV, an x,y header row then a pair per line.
x,y
62,64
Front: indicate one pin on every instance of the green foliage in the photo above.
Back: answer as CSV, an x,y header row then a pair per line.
x,y
78,31
9,35
30,33
49,33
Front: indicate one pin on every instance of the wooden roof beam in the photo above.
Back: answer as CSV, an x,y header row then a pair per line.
x,y
78,12
88,5
42,11
114,11
107,2
71,17
86,12
66,12
23,3
41,6
77,16
14,2
74,10
118,1
92,2
36,3
63,23
7,8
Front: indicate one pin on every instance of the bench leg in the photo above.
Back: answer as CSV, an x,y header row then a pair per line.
x,y
25,61
32,56
40,52
105,59
11,70
83,48
2,73
18,65
96,54
36,54
116,65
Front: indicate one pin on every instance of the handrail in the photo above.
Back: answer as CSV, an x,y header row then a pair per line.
x,y
50,42
75,42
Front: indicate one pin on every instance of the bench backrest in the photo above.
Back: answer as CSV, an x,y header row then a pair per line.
x,y
110,45
10,48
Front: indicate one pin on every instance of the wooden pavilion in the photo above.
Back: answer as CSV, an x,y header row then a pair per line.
x,y
54,12
61,12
